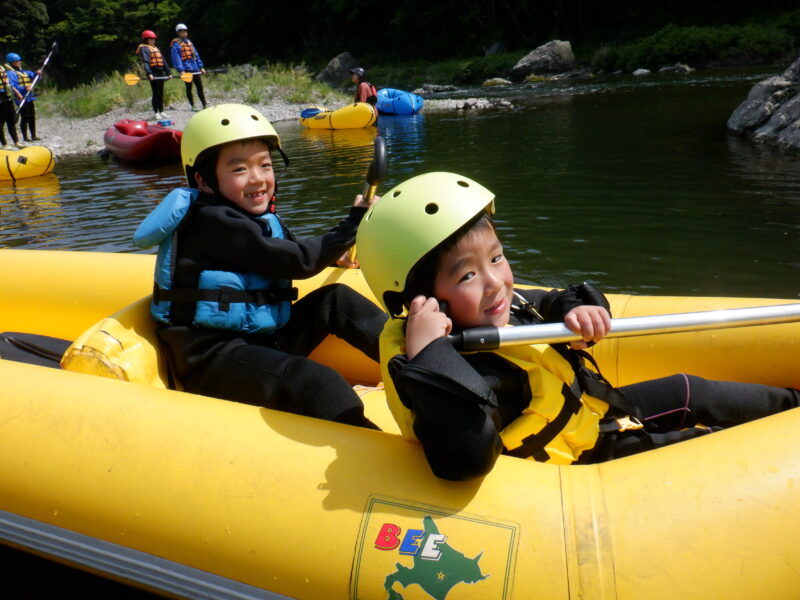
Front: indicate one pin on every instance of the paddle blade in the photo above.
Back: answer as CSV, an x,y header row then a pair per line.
x,y
187,77
131,79
311,111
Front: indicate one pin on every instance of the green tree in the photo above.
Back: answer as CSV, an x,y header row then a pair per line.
x,y
100,36
24,29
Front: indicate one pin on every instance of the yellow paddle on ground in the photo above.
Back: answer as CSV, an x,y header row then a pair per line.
x,y
132,79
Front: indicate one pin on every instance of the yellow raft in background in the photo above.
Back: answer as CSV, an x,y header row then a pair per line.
x,y
195,497
25,162
352,116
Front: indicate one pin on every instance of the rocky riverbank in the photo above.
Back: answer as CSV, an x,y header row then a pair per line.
x,y
74,137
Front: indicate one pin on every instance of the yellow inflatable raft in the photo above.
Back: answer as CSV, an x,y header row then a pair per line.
x,y
352,116
190,496
25,162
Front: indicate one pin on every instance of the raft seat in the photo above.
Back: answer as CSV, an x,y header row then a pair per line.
x,y
123,346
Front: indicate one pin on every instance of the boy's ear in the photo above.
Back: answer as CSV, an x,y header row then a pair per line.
x,y
201,183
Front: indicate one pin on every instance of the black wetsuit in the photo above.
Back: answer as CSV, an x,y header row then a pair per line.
x,y
462,402
269,370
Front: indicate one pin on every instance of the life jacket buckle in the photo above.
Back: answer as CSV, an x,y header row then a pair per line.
x,y
629,423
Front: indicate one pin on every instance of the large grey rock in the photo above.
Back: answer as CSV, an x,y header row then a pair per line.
x,y
552,57
771,112
338,70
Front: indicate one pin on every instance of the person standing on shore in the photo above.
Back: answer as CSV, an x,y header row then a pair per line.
x,y
156,70
20,81
186,59
8,115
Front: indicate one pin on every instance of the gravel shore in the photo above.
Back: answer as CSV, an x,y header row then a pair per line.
x,y
75,137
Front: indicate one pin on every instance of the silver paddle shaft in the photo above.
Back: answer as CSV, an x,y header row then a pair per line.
x,y
489,338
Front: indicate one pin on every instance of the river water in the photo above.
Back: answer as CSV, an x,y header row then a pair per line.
x,y
630,183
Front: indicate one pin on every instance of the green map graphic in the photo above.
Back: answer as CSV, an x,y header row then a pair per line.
x,y
436,577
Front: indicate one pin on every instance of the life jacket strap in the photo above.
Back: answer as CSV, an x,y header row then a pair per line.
x,y
225,296
534,445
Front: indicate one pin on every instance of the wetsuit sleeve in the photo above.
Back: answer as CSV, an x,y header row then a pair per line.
x,y
554,305
455,410
240,244
144,52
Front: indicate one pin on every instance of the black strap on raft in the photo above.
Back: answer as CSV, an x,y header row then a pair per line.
x,y
225,296
32,349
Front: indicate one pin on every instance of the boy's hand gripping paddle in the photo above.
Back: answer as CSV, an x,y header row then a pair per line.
x,y
375,174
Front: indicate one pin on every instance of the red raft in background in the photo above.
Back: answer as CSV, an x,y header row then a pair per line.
x,y
140,142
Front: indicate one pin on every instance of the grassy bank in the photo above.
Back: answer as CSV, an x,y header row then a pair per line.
x,y
270,83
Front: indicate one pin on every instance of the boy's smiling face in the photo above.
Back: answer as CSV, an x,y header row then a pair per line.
x,y
245,176
476,281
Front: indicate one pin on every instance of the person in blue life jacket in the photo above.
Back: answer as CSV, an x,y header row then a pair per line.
x,y
223,280
186,59
20,81
430,252
8,113
156,70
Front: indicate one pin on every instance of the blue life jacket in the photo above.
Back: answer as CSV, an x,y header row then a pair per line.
x,y
246,302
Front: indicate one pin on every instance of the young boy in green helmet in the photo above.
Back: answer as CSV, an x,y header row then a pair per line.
x,y
431,248
223,292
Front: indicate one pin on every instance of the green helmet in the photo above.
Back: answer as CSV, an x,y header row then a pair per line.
x,y
222,124
410,221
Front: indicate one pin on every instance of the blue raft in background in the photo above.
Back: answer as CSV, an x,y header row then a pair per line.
x,y
398,102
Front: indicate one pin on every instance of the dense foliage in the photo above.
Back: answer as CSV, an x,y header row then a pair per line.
x,y
97,37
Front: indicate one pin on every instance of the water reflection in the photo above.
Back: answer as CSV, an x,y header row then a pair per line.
x,y
30,209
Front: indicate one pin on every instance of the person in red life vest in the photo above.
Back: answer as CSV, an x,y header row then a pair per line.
x,y
365,91
20,81
7,112
186,59
156,70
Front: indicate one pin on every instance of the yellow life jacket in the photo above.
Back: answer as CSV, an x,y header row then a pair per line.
x,y
559,423
156,60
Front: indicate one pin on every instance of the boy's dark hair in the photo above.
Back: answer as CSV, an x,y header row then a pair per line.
x,y
421,278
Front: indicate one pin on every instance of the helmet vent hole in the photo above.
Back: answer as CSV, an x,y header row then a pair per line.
x,y
432,208
463,183
225,122
397,193
255,118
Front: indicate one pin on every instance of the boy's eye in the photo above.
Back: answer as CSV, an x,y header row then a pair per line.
x,y
467,276
497,259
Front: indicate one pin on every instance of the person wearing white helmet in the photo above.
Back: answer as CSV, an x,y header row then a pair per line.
x,y
430,252
186,59
223,280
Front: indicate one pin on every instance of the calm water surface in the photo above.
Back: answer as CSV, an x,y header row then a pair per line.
x,y
633,184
